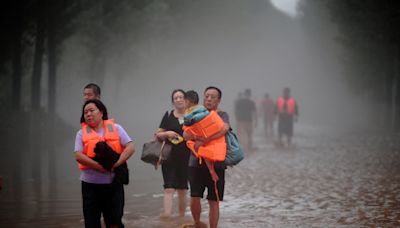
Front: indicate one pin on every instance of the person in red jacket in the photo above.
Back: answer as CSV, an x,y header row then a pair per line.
x,y
288,112
267,111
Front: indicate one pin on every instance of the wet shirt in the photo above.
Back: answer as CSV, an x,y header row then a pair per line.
x,y
194,161
92,175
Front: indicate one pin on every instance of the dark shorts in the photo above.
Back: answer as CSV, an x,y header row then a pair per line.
x,y
285,125
175,175
200,179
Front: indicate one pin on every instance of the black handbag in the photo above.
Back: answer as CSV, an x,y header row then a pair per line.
x,y
155,152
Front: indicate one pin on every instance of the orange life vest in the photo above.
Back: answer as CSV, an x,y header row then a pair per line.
x,y
290,105
215,150
90,138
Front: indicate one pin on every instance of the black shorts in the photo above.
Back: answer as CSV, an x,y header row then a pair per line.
x,y
200,178
285,125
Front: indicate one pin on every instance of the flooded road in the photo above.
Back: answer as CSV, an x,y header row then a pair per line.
x,y
327,180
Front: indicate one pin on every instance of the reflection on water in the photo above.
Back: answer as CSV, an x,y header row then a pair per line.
x,y
326,181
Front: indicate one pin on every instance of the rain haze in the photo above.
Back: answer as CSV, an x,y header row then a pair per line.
x,y
141,54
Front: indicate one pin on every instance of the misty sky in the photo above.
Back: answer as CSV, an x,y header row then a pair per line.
x,y
287,6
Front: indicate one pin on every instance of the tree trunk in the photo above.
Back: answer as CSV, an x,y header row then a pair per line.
x,y
37,62
36,119
16,78
52,64
51,45
394,89
385,108
17,115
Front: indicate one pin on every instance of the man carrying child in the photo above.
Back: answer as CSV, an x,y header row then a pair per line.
x,y
209,174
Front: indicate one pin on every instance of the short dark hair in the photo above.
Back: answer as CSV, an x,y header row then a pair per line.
x,y
175,91
192,96
94,87
99,105
218,90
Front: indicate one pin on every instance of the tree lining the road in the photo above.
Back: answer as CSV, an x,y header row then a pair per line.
x,y
370,35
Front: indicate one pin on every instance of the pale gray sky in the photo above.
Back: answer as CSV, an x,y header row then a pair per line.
x,y
287,6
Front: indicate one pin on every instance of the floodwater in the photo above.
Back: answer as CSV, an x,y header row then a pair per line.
x,y
326,180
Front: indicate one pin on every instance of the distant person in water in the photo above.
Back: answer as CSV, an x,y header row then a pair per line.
x,y
287,112
267,108
246,119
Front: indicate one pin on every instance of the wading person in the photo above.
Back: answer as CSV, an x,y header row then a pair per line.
x,y
246,119
267,111
200,177
175,168
100,193
287,111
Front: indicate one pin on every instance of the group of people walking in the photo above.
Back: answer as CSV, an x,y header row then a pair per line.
x,y
103,196
285,109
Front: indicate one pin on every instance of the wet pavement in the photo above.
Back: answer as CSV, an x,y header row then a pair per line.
x,y
325,180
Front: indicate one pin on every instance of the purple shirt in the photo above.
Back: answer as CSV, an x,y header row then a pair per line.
x,y
92,175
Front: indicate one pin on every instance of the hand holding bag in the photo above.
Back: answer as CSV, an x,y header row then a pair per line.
x,y
155,152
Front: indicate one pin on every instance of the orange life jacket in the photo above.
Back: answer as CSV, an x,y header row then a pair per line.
x,y
90,138
290,105
215,150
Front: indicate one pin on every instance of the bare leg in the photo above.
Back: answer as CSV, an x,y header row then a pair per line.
x,y
168,196
280,143
213,213
195,208
182,195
